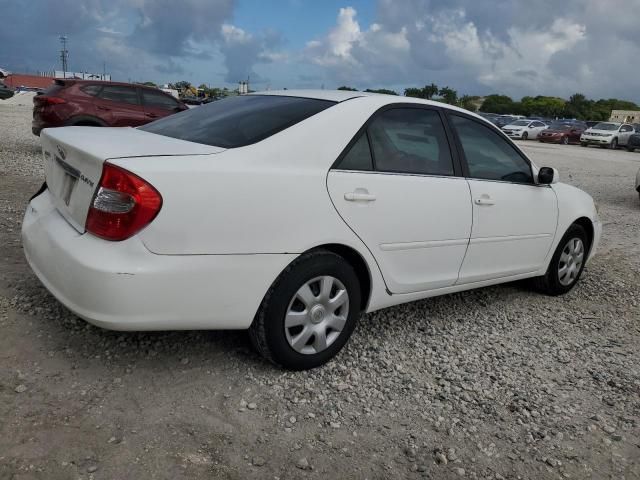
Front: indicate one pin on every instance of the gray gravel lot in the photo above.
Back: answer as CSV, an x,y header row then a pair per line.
x,y
496,383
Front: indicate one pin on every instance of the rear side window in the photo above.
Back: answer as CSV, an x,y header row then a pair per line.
x,y
489,156
120,94
358,157
157,99
92,90
410,140
237,121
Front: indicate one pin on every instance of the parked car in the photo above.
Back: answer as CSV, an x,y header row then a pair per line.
x,y
561,132
289,213
192,101
100,104
524,129
634,142
5,92
503,120
607,135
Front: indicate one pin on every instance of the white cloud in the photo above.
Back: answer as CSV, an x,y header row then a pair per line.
x,y
546,48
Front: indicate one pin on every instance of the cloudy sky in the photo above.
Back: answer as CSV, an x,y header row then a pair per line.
x,y
518,47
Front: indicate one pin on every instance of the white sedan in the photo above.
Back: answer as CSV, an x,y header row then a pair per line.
x,y
525,129
291,213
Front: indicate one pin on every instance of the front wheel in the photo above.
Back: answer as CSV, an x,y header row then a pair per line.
x,y
567,263
525,135
614,144
565,140
584,144
309,312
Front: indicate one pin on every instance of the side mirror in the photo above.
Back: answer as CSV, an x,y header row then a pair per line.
x,y
548,176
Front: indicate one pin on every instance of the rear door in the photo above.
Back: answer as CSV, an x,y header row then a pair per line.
x,y
120,106
514,219
396,187
158,104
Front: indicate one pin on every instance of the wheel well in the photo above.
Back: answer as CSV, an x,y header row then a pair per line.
x,y
87,123
585,223
359,265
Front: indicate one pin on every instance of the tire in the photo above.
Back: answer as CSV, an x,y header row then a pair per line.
x,y
565,141
614,144
297,290
553,282
630,149
525,135
584,144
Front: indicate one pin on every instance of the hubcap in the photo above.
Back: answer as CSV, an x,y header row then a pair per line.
x,y
570,261
316,315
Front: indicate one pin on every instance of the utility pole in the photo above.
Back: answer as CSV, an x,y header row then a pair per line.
x,y
64,55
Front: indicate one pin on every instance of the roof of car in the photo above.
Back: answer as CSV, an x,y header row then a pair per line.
x,y
332,95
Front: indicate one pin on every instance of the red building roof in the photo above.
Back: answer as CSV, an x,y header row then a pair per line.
x,y
32,81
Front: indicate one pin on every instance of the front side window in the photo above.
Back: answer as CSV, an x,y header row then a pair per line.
x,y
157,99
490,156
410,140
237,121
120,94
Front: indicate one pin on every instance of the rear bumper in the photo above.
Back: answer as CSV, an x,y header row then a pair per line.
x,y
123,286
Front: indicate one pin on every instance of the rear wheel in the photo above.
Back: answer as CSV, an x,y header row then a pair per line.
x,y
630,149
309,312
567,263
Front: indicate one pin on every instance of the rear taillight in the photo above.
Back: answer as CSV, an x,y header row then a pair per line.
x,y
44,100
123,205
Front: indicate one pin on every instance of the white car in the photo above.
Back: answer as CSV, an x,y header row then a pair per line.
x,y
525,129
290,213
607,135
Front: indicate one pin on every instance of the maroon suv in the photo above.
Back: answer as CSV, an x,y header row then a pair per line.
x,y
100,104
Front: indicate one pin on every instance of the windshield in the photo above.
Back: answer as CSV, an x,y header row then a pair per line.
x,y
560,126
237,121
520,123
606,126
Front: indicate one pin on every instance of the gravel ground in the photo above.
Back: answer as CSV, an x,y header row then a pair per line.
x,y
496,383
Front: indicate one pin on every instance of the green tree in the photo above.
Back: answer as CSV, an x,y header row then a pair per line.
x,y
500,104
469,102
448,95
181,85
382,90
348,89
413,92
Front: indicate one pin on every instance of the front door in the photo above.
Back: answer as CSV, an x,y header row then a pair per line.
x,y
514,219
625,132
396,188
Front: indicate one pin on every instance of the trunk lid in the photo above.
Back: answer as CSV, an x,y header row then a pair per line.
x,y
74,156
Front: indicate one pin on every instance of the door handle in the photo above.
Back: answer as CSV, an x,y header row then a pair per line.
x,y
485,200
359,196
100,107
151,115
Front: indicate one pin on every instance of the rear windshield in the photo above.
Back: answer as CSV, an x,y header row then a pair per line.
x,y
237,121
